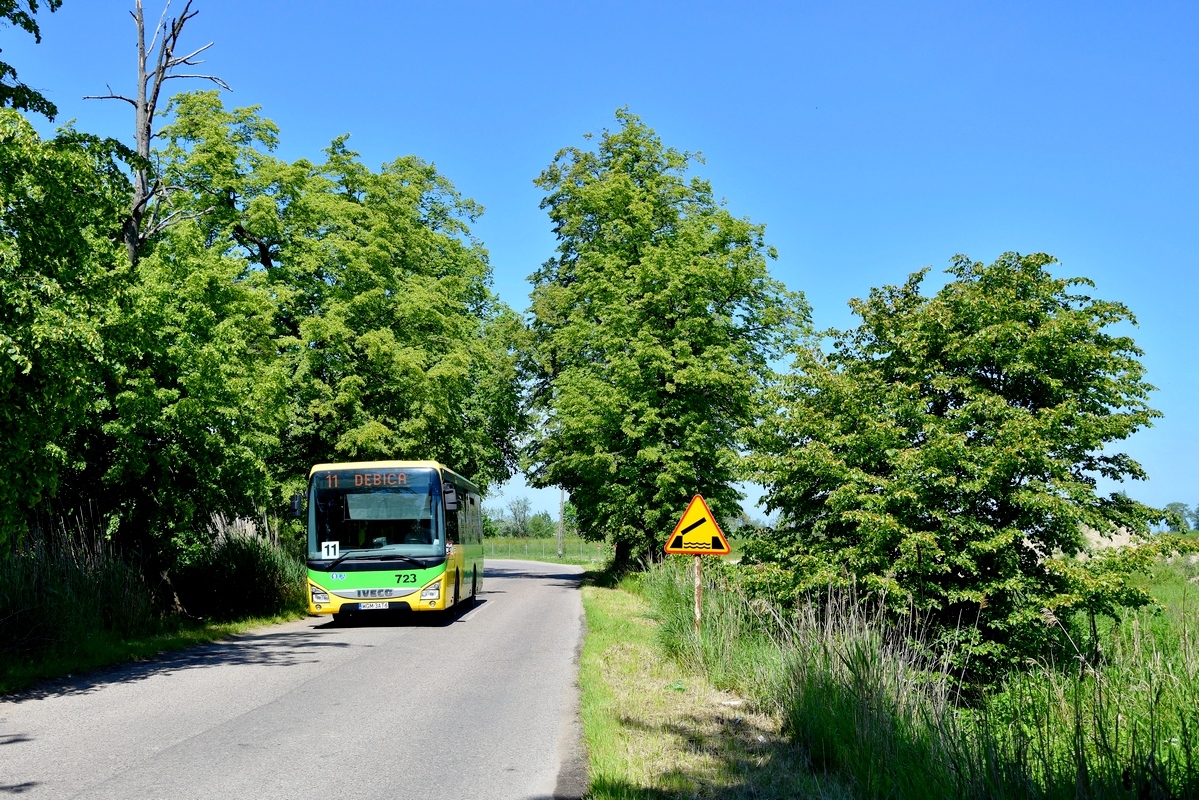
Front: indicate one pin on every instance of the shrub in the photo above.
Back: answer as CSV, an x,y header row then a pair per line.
x,y
946,450
241,573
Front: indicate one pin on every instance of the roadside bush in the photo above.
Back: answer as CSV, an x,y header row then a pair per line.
x,y
241,573
63,586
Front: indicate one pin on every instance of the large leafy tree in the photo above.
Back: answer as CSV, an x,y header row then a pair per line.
x,y
61,275
190,392
654,327
391,340
947,450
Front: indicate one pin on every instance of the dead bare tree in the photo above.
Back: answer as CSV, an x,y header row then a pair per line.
x,y
150,212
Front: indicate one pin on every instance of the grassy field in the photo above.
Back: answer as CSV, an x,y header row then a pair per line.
x,y
574,550
881,717
831,702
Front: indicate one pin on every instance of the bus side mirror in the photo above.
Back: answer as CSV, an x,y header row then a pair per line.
x,y
451,497
297,506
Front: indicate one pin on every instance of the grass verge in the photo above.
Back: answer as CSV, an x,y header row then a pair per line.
x,y
655,730
871,703
106,649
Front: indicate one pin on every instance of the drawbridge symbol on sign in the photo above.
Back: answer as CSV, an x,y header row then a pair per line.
x,y
698,533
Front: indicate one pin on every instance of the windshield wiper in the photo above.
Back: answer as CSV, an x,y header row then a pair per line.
x,y
335,563
389,557
398,557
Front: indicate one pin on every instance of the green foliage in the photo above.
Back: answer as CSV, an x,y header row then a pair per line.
x,y
240,573
653,327
198,394
542,526
1180,517
873,703
14,93
61,280
394,345
280,314
946,452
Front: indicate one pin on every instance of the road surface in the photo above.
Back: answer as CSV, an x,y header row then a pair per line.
x,y
480,706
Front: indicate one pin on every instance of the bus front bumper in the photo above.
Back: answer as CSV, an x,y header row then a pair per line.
x,y
431,597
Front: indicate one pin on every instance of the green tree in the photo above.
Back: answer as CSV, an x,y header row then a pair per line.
x,y
14,93
946,452
542,526
520,510
61,275
190,392
1181,517
394,345
654,327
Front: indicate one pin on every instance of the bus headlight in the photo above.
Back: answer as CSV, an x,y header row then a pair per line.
x,y
431,592
318,596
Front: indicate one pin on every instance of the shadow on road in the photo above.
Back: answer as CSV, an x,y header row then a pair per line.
x,y
17,788
402,619
278,649
568,580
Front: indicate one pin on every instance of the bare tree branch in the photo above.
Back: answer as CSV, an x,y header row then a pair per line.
x,y
111,96
128,100
174,218
148,194
187,59
212,78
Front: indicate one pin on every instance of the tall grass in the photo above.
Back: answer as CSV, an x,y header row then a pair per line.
x,y
65,588
61,585
865,699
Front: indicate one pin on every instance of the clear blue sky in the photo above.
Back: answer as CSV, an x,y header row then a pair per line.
x,y
871,138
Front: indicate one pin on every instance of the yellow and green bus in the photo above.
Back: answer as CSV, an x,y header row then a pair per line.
x,y
390,536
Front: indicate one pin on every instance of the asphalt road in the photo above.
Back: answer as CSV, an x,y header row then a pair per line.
x,y
482,705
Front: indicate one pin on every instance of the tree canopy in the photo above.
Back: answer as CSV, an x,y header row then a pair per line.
x,y
61,281
947,450
653,331
292,313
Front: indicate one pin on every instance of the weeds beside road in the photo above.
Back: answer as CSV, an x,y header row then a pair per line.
x,y
868,703
837,699
657,729
69,602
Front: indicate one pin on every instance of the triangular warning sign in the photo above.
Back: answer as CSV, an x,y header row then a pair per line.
x,y
697,532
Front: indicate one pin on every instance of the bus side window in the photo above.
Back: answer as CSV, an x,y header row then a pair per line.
x,y
476,521
451,525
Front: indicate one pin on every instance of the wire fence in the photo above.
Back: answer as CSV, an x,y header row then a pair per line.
x,y
574,549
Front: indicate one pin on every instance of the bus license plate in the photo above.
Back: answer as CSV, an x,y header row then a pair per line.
x,y
371,606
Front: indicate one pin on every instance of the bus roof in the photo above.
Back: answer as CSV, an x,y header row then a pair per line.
x,y
394,465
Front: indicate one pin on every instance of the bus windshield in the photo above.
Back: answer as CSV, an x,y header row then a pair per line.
x,y
374,512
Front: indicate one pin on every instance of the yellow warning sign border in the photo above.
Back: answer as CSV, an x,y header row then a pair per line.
x,y
686,552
